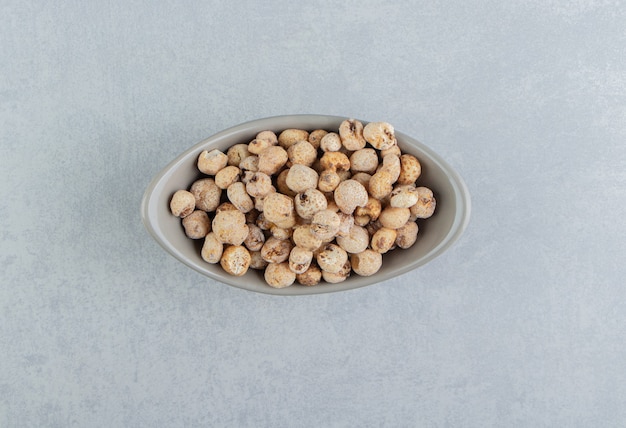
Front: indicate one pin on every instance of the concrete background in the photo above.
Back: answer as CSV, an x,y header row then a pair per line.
x,y
521,323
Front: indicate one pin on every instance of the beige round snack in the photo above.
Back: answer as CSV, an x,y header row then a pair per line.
x,y
183,203
258,184
206,193
380,135
235,260
355,241
276,250
350,194
338,277
300,178
406,236
366,263
351,133
300,259
303,237
212,249
278,275
303,153
272,159
394,218
425,205
331,142
331,258
278,207
311,276
364,160
290,137
211,162
381,184
335,161
383,240
197,224
410,169
227,176
237,194
237,153
230,226
255,239
328,181
325,224
309,202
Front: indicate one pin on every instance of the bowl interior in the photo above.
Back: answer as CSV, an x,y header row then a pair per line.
x,y
436,234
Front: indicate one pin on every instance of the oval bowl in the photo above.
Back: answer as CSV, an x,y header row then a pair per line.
x,y
436,234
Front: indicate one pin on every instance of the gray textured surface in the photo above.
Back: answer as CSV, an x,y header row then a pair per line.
x,y
522,323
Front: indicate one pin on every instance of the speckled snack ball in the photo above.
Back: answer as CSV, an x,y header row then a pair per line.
x,y
366,263
206,193
211,162
235,260
183,203
278,275
197,224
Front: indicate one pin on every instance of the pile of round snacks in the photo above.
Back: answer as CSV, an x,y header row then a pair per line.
x,y
304,206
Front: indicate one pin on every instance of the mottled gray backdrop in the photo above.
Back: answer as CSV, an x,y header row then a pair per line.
x,y
522,323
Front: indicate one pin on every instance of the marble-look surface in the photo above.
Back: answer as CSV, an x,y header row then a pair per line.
x,y
521,323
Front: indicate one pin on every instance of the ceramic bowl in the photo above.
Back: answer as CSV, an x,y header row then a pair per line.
x,y
436,234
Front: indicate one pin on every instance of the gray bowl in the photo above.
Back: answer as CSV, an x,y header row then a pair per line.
x,y
436,234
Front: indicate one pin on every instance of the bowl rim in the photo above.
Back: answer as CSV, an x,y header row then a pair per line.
x,y
460,223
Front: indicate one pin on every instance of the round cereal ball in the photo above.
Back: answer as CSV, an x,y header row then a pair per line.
x,y
364,160
309,202
272,159
350,194
351,133
263,140
197,224
258,184
394,218
406,236
278,275
331,142
230,226
238,196
278,207
303,153
331,258
410,169
325,224
383,240
380,135
206,193
300,259
212,249
366,263
211,162
276,250
183,203
425,205
235,260
237,153
355,241
303,237
301,177
227,176
289,137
